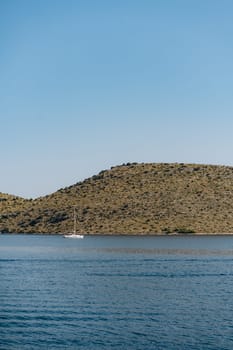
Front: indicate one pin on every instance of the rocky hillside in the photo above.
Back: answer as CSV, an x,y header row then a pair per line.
x,y
132,199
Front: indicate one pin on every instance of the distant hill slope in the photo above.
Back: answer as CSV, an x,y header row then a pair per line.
x,y
131,199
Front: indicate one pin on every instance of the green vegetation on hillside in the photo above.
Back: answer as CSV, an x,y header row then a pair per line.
x,y
131,199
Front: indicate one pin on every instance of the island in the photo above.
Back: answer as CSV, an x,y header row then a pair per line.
x,y
131,199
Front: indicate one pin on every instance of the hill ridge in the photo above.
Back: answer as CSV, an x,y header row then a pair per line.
x,y
132,198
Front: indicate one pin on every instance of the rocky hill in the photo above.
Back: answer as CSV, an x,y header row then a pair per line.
x,y
131,199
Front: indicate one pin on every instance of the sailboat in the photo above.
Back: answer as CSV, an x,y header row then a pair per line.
x,y
74,234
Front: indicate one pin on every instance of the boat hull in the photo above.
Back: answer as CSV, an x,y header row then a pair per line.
x,y
73,236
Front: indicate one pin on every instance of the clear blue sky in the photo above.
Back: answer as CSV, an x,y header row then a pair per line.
x,y
87,84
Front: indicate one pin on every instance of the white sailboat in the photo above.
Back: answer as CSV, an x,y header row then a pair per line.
x,y
74,234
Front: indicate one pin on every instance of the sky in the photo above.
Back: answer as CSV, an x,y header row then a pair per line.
x,y
86,85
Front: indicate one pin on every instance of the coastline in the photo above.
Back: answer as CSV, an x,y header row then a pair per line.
x,y
175,234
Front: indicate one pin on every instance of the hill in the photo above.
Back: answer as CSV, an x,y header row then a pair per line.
x,y
132,198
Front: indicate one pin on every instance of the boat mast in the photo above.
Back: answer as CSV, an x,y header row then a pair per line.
x,y
75,220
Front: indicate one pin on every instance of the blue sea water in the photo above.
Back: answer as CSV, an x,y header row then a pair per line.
x,y
116,292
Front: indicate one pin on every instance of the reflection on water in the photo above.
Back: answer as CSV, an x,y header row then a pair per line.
x,y
54,246
155,251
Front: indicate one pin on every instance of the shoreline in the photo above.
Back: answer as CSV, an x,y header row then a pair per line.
x,y
175,234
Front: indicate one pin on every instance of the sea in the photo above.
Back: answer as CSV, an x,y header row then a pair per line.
x,y
116,292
